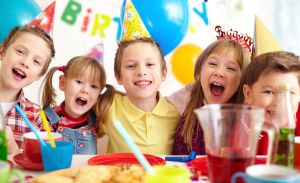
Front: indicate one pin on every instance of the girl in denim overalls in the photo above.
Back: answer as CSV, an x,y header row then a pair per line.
x,y
82,82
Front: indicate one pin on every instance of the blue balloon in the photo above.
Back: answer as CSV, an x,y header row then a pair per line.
x,y
167,21
16,13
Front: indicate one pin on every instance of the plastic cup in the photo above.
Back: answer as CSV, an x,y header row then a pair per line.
x,y
7,174
267,174
59,157
169,174
32,148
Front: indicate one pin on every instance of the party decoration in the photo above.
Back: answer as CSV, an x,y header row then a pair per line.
x,y
166,21
203,14
45,19
133,26
183,61
16,13
245,40
264,39
96,52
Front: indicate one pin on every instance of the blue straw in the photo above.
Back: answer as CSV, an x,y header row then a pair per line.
x,y
133,147
19,110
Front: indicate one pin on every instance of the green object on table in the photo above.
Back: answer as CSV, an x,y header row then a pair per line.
x,y
169,174
7,175
3,145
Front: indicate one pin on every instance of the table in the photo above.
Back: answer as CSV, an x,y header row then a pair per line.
x,y
81,160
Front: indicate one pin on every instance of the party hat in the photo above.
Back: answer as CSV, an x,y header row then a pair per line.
x,y
96,52
264,39
133,26
45,19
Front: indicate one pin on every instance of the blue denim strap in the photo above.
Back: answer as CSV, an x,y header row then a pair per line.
x,y
51,115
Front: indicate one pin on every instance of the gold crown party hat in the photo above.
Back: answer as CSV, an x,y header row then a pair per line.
x,y
133,26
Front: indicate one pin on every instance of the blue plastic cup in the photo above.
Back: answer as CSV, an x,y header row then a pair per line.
x,y
59,157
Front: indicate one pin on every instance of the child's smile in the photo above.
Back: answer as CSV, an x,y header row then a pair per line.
x,y
19,73
216,89
81,101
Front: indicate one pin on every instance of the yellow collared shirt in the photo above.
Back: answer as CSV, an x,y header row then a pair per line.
x,y
153,132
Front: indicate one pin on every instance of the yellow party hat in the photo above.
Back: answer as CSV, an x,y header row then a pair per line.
x,y
264,39
133,26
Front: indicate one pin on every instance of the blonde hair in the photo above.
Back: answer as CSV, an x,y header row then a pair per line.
x,y
124,44
75,67
197,94
17,31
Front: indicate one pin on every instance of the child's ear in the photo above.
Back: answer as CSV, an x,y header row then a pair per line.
x,y
247,94
164,75
62,83
118,80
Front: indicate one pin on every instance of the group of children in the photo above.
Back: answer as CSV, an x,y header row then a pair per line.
x,y
159,125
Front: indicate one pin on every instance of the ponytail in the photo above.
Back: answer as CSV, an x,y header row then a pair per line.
x,y
102,106
48,92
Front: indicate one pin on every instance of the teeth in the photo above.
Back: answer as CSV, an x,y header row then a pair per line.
x,y
217,84
143,83
20,73
81,101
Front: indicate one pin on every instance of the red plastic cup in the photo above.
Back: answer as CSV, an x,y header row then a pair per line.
x,y
32,148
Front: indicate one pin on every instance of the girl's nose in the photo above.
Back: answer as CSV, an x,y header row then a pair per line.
x,y
25,62
219,72
85,89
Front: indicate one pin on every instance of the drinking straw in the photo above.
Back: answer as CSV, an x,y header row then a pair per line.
x,y
141,158
47,128
43,144
19,110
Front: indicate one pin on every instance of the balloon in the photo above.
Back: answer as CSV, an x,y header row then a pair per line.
x,y
183,61
16,13
166,20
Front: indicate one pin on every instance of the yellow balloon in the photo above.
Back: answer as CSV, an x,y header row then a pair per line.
x,y
183,60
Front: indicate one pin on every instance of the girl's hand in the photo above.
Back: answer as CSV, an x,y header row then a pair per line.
x,y
12,146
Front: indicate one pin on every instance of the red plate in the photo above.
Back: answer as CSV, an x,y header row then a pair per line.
x,y
22,160
123,158
200,164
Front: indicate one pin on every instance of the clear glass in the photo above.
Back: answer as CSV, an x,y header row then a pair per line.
x,y
231,134
285,121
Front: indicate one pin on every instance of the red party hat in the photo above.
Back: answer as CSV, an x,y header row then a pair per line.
x,y
45,19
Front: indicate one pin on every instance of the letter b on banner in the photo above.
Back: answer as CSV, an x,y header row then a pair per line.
x,y
71,11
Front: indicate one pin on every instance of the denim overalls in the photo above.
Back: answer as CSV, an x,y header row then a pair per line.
x,y
85,142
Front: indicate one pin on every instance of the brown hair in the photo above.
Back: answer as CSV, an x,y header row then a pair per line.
x,y
123,44
197,94
17,31
75,67
277,61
